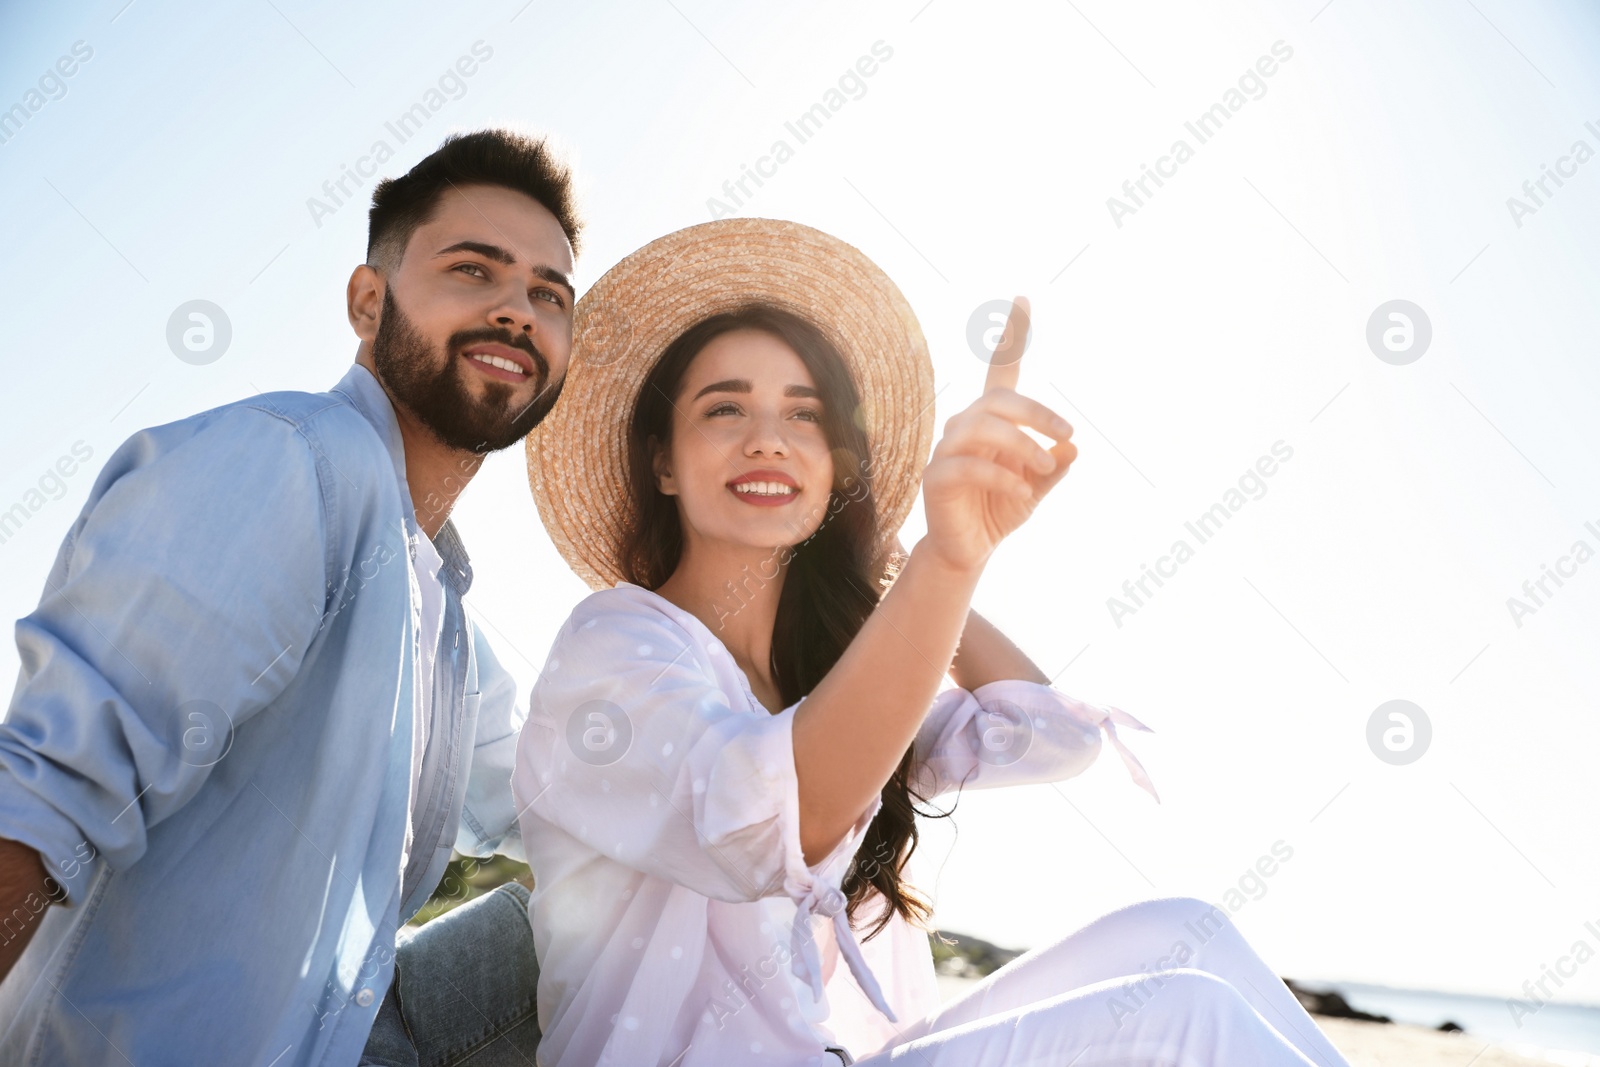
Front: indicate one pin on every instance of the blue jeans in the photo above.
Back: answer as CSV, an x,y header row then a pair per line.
x,y
463,990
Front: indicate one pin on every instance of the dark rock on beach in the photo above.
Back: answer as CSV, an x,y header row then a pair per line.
x,y
1331,1003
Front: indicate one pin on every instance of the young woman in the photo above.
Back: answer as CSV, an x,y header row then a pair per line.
x,y
723,753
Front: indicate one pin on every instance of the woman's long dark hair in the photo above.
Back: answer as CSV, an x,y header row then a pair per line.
x,y
830,588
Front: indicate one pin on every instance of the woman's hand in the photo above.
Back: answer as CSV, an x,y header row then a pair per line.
x,y
986,476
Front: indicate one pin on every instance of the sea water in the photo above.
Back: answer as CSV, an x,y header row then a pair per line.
x,y
1561,1033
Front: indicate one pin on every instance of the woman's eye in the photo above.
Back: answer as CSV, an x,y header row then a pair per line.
x,y
809,414
723,409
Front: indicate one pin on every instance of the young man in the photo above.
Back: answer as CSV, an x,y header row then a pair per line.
x,y
253,717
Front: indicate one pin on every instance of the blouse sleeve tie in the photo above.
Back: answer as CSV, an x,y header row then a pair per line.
x,y
825,899
1108,719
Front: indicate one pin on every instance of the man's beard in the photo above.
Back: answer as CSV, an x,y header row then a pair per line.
x,y
439,397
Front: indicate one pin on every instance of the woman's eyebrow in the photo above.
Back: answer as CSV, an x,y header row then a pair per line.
x,y
742,385
729,385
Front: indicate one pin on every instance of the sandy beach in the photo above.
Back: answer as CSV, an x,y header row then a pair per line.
x,y
1393,1045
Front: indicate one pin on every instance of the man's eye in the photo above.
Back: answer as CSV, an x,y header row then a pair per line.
x,y
472,266
553,296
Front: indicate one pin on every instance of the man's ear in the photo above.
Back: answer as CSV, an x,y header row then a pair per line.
x,y
661,466
363,297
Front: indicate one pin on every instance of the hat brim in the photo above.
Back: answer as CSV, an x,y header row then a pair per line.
x,y
578,456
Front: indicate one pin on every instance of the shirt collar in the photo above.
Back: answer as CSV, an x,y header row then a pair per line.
x,y
364,392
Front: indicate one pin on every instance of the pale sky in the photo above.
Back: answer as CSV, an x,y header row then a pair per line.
x,y
1186,334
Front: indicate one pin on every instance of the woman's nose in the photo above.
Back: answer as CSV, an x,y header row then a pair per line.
x,y
766,437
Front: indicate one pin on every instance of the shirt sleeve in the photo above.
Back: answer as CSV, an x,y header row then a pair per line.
x,y
636,750
489,814
1015,733
181,603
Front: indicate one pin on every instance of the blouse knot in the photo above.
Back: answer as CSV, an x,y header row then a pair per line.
x,y
824,898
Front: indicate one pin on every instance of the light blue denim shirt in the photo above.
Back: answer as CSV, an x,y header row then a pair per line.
x,y
210,743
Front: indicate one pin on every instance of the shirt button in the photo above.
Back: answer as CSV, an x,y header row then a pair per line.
x,y
364,998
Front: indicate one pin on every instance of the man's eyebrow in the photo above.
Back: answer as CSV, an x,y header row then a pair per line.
x,y
550,274
508,259
487,251
742,385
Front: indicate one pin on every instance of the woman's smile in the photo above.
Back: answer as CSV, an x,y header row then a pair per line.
x,y
765,488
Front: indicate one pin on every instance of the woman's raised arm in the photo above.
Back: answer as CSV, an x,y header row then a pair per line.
x,y
985,478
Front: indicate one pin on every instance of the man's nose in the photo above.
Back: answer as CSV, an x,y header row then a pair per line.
x,y
516,313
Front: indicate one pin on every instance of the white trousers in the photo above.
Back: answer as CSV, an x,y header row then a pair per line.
x,y
1163,983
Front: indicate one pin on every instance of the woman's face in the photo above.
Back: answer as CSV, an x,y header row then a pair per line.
x,y
749,461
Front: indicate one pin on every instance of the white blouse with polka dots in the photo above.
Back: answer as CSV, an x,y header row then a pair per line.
x,y
674,916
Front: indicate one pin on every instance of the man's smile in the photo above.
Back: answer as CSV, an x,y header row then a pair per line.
x,y
500,361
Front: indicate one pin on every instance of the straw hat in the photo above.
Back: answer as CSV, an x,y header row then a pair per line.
x,y
577,457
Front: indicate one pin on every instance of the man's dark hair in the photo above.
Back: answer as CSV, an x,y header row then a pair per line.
x,y
484,157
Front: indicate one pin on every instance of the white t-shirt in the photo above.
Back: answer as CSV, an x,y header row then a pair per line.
x,y
674,916
426,567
